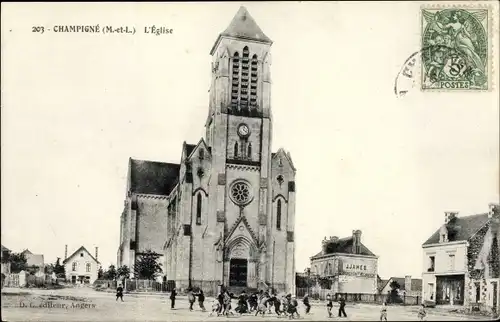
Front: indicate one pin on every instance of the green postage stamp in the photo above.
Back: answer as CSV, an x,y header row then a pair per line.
x,y
455,49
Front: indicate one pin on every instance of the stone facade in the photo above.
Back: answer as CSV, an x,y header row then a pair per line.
x,y
348,264
225,215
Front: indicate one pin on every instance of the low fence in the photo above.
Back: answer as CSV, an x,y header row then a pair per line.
x,y
135,285
320,294
27,280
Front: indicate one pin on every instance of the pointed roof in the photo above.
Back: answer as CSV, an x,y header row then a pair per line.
x,y
243,26
151,177
77,251
242,219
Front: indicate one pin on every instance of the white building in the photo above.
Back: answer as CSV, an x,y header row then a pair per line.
x,y
461,262
81,267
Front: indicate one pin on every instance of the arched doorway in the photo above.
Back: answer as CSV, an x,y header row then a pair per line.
x,y
240,263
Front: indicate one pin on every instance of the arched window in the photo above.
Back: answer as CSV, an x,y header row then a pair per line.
x,y
88,267
235,80
278,215
198,209
249,154
74,267
235,149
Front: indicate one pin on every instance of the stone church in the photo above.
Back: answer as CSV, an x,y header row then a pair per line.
x,y
224,215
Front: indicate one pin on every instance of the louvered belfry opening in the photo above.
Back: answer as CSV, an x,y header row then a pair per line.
x,y
244,83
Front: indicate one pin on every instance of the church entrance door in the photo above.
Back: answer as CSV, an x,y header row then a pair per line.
x,y
238,269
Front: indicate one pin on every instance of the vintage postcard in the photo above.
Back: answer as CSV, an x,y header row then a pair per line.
x,y
255,160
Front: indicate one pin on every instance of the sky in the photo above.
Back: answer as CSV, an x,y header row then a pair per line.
x,y
76,106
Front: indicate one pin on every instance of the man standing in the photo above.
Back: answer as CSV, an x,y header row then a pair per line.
x,y
172,298
342,307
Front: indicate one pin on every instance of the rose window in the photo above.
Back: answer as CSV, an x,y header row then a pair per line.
x,y
240,193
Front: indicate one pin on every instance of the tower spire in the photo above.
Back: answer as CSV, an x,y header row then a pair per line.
x,y
243,26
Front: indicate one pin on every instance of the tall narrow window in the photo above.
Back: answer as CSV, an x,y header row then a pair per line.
x,y
253,82
88,267
249,154
244,78
278,215
235,80
74,266
243,149
235,149
198,209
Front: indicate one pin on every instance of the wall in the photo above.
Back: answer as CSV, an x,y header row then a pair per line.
x,y
151,223
352,273
442,260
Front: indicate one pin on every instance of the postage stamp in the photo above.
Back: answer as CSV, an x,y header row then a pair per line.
x,y
455,49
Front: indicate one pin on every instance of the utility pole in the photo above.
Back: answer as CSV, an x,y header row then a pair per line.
x,y
308,279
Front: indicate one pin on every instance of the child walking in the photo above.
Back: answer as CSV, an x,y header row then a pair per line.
x,y
305,300
119,292
383,312
421,313
329,305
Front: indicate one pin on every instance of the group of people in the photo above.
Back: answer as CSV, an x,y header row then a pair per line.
x,y
257,303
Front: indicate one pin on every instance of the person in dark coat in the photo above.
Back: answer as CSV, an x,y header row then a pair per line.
x,y
242,306
342,307
173,294
220,298
276,303
201,300
253,301
191,298
305,300
119,292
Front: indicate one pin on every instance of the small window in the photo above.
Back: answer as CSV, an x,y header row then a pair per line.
x,y
432,260
278,215
198,209
81,254
201,154
235,149
249,150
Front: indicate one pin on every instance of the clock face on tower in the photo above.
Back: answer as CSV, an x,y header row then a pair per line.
x,y
243,130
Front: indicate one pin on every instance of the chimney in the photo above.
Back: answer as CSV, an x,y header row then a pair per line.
x,y
449,216
356,241
96,253
65,252
324,243
408,284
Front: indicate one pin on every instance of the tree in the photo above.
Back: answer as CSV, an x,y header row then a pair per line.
x,y
110,274
59,269
123,271
100,273
48,269
147,265
17,262
394,285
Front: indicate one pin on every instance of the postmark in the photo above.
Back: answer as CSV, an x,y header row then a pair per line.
x,y
455,49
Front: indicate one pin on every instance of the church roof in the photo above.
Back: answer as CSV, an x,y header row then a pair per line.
x,y
461,228
243,26
151,177
343,246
